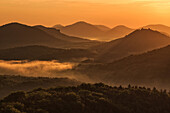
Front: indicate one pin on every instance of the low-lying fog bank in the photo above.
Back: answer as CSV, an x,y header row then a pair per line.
x,y
35,68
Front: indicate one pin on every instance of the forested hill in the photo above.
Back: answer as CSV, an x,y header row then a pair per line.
x,y
148,69
88,98
9,84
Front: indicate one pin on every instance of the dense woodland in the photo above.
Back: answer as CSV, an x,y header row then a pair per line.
x,y
88,98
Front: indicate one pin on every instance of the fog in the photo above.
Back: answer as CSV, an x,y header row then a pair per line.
x,y
33,68
41,69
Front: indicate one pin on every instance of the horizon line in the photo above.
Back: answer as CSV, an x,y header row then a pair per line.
x,y
84,22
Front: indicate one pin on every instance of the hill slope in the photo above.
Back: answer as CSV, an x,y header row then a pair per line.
x,y
44,53
58,26
9,84
103,27
56,33
118,32
148,69
15,34
81,29
159,27
137,42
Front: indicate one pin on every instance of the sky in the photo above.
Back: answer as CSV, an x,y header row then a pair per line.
x,y
132,13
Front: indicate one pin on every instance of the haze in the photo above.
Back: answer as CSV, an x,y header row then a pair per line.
x,y
133,13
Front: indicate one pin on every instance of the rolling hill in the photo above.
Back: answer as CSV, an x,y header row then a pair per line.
x,y
103,27
58,26
104,33
81,29
56,33
97,32
118,32
16,34
159,27
139,41
45,53
9,84
148,69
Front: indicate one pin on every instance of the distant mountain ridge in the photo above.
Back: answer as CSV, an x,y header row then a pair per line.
x,y
81,29
58,26
103,27
56,33
118,32
98,32
159,27
16,34
105,33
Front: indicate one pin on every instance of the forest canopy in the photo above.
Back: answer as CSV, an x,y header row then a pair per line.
x,y
88,98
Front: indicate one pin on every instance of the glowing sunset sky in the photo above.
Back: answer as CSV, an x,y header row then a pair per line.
x,y
133,13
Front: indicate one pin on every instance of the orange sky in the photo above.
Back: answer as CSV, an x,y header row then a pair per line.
x,y
133,13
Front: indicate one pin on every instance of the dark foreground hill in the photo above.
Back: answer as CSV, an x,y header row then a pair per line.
x,y
9,84
88,98
139,41
148,69
45,53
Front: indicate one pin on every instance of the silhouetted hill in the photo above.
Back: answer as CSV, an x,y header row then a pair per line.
x,y
45,53
81,29
118,32
137,42
148,69
103,27
159,27
58,26
16,34
9,84
56,33
104,33
98,32
88,98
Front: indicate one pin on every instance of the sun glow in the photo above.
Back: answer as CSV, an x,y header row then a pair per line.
x,y
108,12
